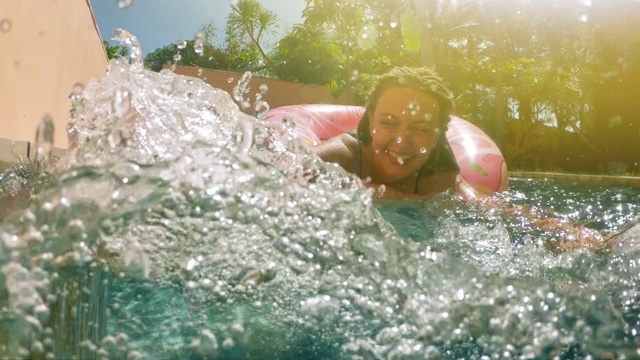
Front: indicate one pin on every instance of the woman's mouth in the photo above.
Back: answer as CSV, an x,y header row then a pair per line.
x,y
399,157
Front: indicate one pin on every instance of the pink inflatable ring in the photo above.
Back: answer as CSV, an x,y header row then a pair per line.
x,y
480,161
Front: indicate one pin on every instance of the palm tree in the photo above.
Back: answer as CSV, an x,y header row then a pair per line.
x,y
249,17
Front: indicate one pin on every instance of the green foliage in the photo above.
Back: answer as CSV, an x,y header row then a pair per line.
x,y
307,55
249,19
534,75
114,52
341,41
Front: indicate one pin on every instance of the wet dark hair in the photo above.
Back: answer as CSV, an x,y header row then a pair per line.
x,y
424,80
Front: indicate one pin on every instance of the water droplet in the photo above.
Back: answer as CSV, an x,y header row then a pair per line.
x,y
198,47
124,3
44,136
181,44
263,89
427,117
230,80
245,105
131,42
399,140
261,107
393,24
5,25
121,102
116,139
76,91
199,72
242,87
414,107
177,57
423,150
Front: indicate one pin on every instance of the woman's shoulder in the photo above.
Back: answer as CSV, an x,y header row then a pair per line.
x,y
342,150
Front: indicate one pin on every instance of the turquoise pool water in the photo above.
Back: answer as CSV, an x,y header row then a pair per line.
x,y
180,228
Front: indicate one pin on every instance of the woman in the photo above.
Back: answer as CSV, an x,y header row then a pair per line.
x,y
401,151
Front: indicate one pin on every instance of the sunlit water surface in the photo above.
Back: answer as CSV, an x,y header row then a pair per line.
x,y
177,227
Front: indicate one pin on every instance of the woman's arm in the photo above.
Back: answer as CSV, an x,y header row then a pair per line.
x,y
569,235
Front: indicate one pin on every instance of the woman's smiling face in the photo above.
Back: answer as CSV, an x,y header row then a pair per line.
x,y
404,129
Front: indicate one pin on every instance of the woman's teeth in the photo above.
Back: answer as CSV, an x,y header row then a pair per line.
x,y
398,156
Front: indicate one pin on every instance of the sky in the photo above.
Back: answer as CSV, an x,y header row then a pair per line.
x,y
157,23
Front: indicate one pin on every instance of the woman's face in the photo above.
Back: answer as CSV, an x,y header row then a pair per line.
x,y
404,130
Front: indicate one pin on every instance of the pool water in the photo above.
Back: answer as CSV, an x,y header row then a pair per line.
x,y
177,227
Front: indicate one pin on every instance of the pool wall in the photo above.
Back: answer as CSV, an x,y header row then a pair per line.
x,y
47,47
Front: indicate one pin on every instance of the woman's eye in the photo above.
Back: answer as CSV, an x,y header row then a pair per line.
x,y
423,130
389,123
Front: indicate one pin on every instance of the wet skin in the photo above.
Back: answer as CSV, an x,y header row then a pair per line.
x,y
404,130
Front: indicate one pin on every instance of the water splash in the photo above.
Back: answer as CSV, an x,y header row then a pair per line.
x,y
131,42
171,230
44,139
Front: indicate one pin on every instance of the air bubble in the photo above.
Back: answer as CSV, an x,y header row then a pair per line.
x,y
205,344
263,89
399,140
423,150
177,57
199,72
181,44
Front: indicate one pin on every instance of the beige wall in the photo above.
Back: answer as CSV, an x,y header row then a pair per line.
x,y
280,93
45,48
